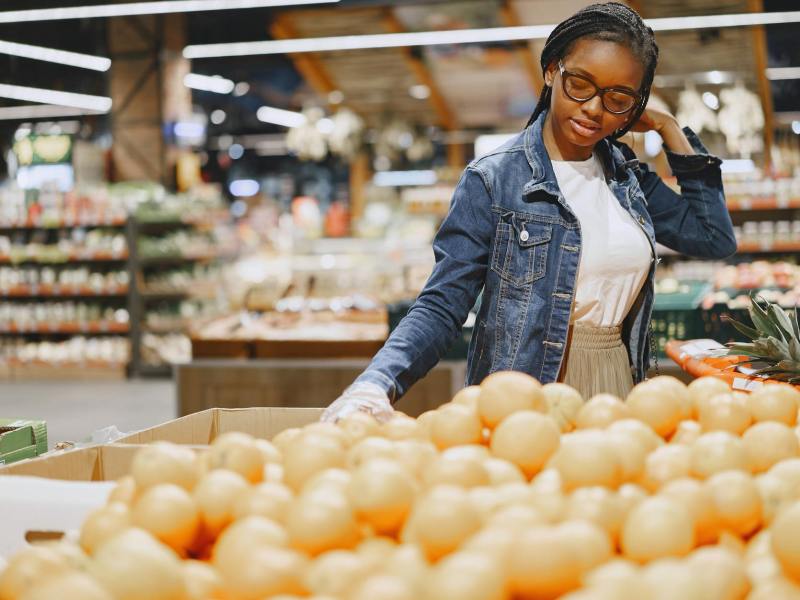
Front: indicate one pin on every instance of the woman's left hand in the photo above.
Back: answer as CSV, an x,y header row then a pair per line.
x,y
654,119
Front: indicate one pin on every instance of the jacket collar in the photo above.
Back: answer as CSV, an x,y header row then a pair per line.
x,y
543,176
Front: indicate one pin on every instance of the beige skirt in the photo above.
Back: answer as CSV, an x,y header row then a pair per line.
x,y
597,362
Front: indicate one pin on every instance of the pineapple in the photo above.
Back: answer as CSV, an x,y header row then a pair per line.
x,y
775,348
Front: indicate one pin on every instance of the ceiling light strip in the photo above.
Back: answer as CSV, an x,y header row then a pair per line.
x,y
462,36
75,59
41,111
143,8
777,73
208,83
30,94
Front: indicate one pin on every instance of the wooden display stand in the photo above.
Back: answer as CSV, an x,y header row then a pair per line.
x,y
310,383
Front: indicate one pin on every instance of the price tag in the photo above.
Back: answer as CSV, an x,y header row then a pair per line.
x,y
56,289
34,289
740,383
745,204
104,326
783,202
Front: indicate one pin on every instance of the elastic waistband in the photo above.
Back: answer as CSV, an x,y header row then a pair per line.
x,y
596,338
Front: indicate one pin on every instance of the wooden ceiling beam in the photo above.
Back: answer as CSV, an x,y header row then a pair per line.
x,y
444,115
308,65
524,52
764,88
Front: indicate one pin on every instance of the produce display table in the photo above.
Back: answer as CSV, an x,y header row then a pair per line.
x,y
693,356
293,382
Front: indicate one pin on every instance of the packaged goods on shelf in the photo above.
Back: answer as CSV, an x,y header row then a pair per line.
x,y
75,245
198,280
49,281
75,351
752,191
51,208
167,349
66,316
168,317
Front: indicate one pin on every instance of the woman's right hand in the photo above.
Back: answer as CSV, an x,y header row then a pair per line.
x,y
364,397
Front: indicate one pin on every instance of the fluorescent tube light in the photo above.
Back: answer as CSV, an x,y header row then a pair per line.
x,y
30,94
41,111
463,36
142,8
278,116
208,83
243,187
737,165
74,59
404,178
775,73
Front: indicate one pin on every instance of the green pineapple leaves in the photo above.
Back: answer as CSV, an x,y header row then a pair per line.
x,y
775,340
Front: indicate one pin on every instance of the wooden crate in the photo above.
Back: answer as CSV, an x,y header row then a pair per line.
x,y
204,384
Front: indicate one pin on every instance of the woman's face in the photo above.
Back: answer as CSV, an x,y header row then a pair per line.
x,y
578,126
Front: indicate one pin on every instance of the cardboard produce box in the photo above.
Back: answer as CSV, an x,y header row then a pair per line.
x,y
96,463
203,427
21,438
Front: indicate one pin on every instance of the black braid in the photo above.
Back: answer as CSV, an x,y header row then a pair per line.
x,y
612,22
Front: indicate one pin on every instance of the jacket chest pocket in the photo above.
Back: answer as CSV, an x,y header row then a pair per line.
x,y
520,250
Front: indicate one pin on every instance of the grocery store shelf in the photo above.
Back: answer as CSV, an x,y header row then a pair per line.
x,y
162,294
167,329
69,328
75,257
90,370
762,203
62,224
155,370
62,291
757,247
184,258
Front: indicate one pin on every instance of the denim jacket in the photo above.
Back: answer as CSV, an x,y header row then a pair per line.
x,y
510,234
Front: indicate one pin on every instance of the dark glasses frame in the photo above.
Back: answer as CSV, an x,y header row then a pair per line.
x,y
597,91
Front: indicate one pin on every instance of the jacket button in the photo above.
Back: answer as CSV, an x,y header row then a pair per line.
x,y
641,219
524,236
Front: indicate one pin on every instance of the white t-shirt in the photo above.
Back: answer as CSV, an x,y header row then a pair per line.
x,y
615,254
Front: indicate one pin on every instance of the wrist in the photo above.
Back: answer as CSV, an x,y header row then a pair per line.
x,y
670,123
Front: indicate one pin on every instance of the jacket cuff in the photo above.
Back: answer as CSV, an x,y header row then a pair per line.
x,y
692,163
382,381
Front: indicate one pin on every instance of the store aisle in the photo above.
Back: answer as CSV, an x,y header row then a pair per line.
x,y
73,410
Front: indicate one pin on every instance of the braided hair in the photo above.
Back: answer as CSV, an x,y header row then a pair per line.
x,y
610,22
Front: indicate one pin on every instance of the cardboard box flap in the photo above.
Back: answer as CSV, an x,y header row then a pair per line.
x,y
203,427
263,422
198,428
34,504
96,463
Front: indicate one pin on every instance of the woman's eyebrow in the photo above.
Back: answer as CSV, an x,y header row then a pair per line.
x,y
590,76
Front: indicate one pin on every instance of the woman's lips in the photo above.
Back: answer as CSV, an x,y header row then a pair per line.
x,y
583,129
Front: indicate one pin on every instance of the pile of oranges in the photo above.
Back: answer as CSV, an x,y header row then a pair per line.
x,y
511,491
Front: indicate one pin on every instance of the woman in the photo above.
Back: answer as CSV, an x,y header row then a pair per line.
x,y
558,229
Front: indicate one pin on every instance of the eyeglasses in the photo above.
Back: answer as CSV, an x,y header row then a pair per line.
x,y
582,89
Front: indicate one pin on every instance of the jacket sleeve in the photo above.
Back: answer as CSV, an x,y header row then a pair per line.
x,y
461,250
695,221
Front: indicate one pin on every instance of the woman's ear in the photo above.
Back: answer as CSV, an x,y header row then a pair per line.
x,y
550,74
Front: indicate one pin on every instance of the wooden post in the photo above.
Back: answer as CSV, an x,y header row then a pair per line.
x,y
146,84
764,89
360,174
